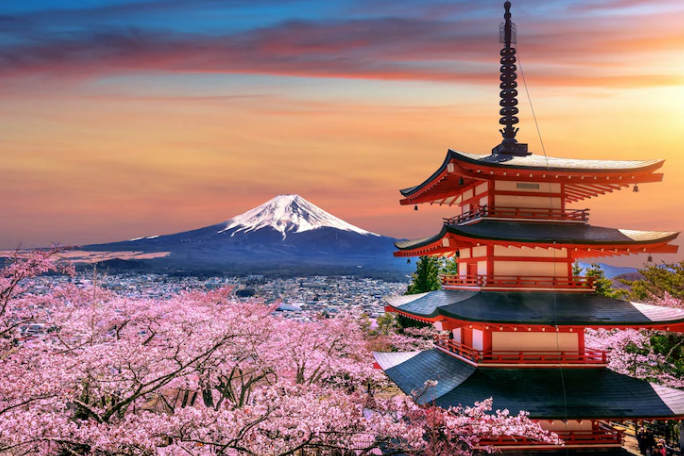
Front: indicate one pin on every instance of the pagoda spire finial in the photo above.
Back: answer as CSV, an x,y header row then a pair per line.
x,y
508,103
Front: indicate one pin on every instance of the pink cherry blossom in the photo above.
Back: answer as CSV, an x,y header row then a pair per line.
x,y
631,352
201,374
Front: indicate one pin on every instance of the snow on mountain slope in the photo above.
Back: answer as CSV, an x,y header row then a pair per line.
x,y
288,214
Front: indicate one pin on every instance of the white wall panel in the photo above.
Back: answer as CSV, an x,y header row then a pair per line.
x,y
520,341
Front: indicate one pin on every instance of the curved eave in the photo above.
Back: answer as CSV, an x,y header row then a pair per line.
x,y
455,308
435,176
561,165
620,242
431,241
545,393
443,184
554,234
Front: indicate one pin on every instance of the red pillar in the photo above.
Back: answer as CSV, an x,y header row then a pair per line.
x,y
487,340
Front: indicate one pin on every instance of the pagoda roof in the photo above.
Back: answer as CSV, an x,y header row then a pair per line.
x,y
535,308
546,393
556,163
473,168
510,232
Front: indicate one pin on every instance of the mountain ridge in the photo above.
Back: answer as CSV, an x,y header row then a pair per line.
x,y
289,213
286,231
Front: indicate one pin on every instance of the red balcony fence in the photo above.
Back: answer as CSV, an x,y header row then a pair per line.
x,y
495,281
532,213
482,281
523,356
602,436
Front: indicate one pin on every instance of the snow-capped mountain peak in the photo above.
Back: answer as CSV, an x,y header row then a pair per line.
x,y
288,214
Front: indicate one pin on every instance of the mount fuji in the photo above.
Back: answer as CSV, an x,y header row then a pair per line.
x,y
288,214
286,235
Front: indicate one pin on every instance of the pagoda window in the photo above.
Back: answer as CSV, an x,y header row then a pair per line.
x,y
457,335
530,341
482,188
568,425
462,269
541,202
511,186
501,251
515,194
479,252
478,339
531,268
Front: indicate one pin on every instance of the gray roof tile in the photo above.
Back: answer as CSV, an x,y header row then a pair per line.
x,y
535,162
549,393
562,233
541,308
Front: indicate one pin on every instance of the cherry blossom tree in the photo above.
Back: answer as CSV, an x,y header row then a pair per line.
x,y
645,354
201,374
19,300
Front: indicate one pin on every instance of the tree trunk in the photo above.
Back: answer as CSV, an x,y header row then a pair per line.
x,y
207,397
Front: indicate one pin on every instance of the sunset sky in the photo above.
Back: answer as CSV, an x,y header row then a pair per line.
x,y
121,119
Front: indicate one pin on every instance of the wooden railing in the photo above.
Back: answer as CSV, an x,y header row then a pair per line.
x,y
532,213
521,357
483,281
601,436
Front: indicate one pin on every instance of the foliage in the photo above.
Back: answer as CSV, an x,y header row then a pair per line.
x,y
18,296
388,334
657,281
387,323
604,286
656,356
200,374
633,353
576,269
426,277
448,266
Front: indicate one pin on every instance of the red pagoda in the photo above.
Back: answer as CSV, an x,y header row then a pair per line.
x,y
515,314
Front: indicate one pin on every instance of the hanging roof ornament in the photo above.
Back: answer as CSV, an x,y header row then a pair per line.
x,y
509,102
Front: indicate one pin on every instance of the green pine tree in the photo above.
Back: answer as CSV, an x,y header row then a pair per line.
x,y
576,269
448,266
604,286
657,280
426,277
387,323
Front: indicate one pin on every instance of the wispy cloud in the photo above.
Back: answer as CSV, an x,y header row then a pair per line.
x,y
381,48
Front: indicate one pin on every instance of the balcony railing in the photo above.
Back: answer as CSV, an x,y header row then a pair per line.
x,y
521,357
541,282
602,436
541,214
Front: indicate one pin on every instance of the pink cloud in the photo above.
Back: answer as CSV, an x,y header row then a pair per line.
x,y
385,49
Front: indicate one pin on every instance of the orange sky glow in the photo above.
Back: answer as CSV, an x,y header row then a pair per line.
x,y
155,142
